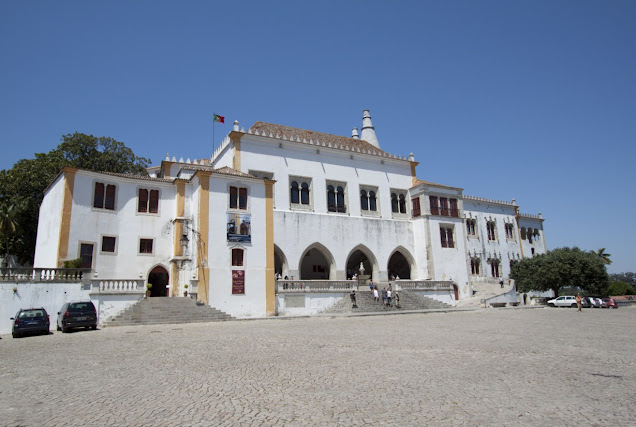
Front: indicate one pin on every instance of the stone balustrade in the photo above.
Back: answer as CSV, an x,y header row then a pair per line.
x,y
118,286
423,285
315,285
28,274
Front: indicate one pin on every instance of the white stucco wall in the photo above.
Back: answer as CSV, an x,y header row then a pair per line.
x,y
89,224
51,296
49,223
252,303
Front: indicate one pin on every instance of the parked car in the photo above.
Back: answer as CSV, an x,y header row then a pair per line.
x,y
79,314
586,302
598,303
30,320
564,301
610,303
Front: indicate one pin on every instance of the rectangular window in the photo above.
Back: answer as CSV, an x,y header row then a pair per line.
x,y
109,202
238,198
443,202
148,201
104,196
108,244
86,254
434,206
145,246
237,257
416,206
446,234
154,201
454,212
470,227
98,199
142,205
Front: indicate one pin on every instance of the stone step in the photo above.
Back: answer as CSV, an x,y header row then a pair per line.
x,y
366,304
151,311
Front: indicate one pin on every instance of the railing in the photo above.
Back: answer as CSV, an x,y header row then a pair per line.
x,y
424,285
119,286
27,274
315,285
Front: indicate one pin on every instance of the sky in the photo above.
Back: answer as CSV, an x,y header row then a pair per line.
x,y
526,100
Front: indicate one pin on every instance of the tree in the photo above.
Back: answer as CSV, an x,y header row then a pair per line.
x,y
604,256
629,278
562,267
23,185
8,228
620,288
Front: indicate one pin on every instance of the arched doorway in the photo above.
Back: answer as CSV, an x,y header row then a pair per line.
x,y
399,266
356,258
315,265
159,279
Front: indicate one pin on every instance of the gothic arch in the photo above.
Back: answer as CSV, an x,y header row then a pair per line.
x,y
368,259
401,263
280,262
316,263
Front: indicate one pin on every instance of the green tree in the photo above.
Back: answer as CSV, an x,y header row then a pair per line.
x,y
620,288
8,228
629,278
559,268
23,185
604,256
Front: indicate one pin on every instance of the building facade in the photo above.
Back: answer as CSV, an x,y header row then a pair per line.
x,y
280,200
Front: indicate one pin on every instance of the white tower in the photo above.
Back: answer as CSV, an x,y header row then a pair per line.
x,y
368,131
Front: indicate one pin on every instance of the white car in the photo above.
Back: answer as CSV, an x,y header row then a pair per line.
x,y
565,301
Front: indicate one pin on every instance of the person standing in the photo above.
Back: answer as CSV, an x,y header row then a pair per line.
x,y
388,296
376,298
352,295
578,302
384,296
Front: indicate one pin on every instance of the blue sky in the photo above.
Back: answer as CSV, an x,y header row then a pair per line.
x,y
531,100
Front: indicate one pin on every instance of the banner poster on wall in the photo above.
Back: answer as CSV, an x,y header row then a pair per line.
x,y
239,227
238,282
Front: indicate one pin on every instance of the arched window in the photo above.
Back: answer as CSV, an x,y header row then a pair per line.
x,y
331,198
394,203
364,201
304,193
402,204
523,233
372,203
474,266
340,199
294,192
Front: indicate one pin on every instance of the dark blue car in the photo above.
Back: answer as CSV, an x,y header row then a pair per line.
x,y
30,320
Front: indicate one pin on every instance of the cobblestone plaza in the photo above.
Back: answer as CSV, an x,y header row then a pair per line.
x,y
487,367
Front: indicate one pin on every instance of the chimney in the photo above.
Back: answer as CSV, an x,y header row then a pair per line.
x,y
354,133
368,131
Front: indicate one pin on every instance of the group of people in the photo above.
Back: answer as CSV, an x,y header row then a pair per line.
x,y
388,296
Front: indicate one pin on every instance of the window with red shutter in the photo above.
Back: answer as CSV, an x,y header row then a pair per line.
x,y
142,203
154,201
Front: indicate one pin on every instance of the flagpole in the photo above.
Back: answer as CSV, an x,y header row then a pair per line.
x,y
213,142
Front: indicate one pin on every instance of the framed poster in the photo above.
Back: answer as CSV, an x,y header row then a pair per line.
x,y
238,282
239,227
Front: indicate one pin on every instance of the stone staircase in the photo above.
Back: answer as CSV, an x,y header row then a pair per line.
x,y
155,311
484,290
364,299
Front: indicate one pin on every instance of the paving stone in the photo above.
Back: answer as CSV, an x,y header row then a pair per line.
x,y
490,367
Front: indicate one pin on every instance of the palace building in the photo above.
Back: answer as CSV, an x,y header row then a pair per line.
x,y
272,200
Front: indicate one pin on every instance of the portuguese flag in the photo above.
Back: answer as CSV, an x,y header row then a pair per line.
x,y
219,119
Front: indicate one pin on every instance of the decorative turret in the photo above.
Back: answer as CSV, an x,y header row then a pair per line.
x,y
354,133
368,131
236,126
